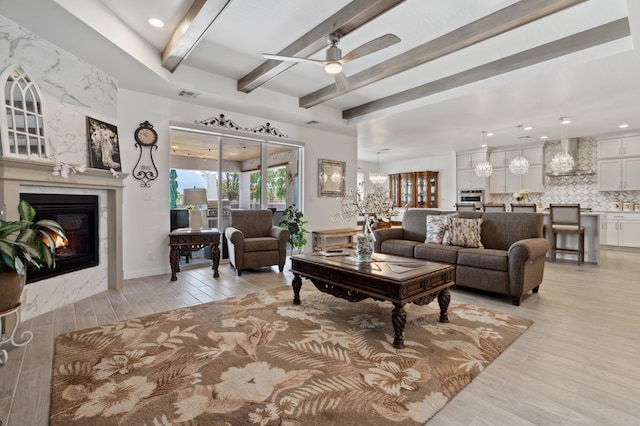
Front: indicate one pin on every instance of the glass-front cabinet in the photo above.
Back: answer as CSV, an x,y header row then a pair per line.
x,y
414,189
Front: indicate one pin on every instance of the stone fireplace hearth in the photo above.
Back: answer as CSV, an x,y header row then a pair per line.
x,y
25,176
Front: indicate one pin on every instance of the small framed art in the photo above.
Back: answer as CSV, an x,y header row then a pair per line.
x,y
104,148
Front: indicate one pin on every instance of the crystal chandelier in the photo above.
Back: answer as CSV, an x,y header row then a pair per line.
x,y
519,165
483,169
377,178
562,162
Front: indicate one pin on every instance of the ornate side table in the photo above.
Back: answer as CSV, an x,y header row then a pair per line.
x,y
194,239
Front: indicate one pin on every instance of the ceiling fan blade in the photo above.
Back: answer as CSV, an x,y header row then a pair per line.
x,y
293,59
341,81
372,46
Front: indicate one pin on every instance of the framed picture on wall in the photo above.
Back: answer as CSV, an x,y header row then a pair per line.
x,y
332,179
104,148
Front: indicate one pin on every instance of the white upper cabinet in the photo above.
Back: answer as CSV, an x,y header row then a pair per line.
x,y
621,147
534,155
469,160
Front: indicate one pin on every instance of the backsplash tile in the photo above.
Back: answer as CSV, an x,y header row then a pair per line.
x,y
574,189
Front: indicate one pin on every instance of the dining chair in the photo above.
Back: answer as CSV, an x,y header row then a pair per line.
x,y
515,207
465,207
565,219
494,207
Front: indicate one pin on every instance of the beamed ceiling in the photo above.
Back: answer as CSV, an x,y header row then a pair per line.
x,y
460,67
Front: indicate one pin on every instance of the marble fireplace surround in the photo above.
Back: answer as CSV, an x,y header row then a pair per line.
x,y
20,175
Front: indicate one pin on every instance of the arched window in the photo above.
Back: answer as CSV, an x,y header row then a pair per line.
x,y
22,118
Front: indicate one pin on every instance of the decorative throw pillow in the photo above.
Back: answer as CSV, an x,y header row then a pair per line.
x,y
446,238
435,228
466,232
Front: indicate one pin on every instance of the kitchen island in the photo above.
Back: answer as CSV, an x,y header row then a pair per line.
x,y
591,223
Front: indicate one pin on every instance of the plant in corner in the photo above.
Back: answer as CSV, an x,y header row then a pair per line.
x,y
24,243
292,220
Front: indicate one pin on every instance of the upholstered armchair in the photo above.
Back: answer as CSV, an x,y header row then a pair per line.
x,y
253,241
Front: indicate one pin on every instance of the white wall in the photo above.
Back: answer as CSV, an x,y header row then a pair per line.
x,y
146,210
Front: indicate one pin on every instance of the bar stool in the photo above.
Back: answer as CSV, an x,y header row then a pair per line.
x,y
565,219
494,207
465,207
523,208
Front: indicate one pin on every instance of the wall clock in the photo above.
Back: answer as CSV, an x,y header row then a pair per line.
x,y
145,169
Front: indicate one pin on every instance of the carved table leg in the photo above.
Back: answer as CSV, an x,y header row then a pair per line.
x,y
296,284
399,320
216,260
173,259
443,300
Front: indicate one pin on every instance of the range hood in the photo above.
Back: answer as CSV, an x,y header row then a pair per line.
x,y
570,146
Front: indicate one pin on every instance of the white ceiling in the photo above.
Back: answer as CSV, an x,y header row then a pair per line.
x,y
597,87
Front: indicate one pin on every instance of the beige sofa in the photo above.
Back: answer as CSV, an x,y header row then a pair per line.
x,y
511,262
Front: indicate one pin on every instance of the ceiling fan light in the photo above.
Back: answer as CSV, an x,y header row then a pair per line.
x,y
333,67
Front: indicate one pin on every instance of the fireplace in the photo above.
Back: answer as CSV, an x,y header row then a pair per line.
x,y
78,216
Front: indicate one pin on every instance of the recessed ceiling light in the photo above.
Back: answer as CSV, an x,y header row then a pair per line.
x,y
565,120
490,134
155,22
528,128
544,137
623,126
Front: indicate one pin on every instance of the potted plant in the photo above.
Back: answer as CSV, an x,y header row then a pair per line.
x,y
292,220
24,243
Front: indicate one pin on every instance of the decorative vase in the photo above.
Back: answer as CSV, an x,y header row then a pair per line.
x,y
364,246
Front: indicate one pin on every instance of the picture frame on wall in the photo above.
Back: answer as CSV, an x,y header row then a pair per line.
x,y
332,178
104,147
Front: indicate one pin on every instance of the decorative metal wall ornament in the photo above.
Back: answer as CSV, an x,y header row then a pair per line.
x,y
145,170
221,121
268,130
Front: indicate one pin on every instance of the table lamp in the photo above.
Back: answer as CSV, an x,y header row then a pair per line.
x,y
196,197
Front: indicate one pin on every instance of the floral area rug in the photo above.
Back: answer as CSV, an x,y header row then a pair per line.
x,y
257,359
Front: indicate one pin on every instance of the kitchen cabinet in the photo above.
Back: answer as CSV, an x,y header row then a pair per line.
x,y
620,229
414,189
619,174
503,181
618,148
466,174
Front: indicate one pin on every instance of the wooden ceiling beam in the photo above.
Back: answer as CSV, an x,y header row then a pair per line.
x,y
347,19
506,19
190,31
574,43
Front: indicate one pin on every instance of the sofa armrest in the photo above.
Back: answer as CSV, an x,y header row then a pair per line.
x,y
386,234
279,233
527,250
234,236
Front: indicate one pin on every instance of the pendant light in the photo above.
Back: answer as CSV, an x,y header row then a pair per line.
x,y
519,165
562,162
484,169
376,177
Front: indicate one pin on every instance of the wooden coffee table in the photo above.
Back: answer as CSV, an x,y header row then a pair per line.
x,y
399,280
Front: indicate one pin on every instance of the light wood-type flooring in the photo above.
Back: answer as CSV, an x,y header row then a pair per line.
x,y
578,364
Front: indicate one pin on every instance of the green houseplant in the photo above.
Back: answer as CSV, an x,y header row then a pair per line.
x,y
292,220
24,243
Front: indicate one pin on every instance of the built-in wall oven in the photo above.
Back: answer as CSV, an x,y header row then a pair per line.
x,y
475,196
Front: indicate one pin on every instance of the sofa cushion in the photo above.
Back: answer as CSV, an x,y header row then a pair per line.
x,y
497,260
437,253
501,229
446,238
435,228
466,232
260,244
399,247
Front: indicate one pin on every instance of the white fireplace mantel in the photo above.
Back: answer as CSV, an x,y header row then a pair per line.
x,y
17,173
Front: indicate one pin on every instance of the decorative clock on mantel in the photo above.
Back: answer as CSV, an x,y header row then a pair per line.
x,y
145,169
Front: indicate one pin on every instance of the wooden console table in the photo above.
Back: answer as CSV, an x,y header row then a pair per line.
x,y
321,239
194,240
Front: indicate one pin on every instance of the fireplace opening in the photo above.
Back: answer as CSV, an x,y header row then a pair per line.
x,y
78,216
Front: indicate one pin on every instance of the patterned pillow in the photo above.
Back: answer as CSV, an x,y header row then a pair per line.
x,y
435,228
446,238
466,232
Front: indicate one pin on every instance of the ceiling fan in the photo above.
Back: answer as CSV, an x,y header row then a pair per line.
x,y
334,59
